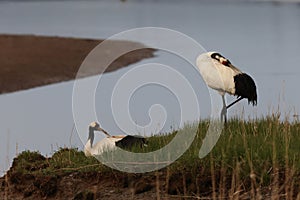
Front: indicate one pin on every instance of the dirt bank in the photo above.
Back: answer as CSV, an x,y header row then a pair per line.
x,y
33,176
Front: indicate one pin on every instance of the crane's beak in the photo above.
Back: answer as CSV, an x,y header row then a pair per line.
x,y
102,130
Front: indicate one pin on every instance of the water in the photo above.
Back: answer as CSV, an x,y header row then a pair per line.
x,y
260,38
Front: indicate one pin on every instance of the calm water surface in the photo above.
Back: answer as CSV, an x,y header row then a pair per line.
x,y
261,39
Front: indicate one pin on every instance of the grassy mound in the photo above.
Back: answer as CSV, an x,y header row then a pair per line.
x,y
252,159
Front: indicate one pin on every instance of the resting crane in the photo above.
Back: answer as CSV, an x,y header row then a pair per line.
x,y
109,143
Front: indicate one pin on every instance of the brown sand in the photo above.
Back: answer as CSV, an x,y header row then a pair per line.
x,y
28,61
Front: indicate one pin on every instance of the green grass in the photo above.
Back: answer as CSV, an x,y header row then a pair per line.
x,y
256,156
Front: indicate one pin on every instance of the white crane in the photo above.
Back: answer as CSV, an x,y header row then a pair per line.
x,y
109,143
219,74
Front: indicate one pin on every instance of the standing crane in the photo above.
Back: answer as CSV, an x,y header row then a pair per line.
x,y
219,74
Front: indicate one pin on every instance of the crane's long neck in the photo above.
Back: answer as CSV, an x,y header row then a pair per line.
x,y
89,145
91,137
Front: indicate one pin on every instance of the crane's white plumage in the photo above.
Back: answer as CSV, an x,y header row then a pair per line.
x,y
106,144
215,74
219,74
110,143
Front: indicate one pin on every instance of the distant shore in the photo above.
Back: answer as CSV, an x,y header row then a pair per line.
x,y
28,61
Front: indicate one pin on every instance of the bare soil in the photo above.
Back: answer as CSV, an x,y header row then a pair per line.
x,y
28,61
108,185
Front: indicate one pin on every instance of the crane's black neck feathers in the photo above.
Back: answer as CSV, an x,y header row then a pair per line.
x,y
218,56
245,87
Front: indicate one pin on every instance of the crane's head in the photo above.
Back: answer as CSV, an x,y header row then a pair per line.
x,y
218,57
96,127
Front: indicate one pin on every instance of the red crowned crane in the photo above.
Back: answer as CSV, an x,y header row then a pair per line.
x,y
110,143
219,74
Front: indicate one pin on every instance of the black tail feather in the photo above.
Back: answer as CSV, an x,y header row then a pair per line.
x,y
130,141
245,87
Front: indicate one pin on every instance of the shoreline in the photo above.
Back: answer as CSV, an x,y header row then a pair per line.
x,y
29,61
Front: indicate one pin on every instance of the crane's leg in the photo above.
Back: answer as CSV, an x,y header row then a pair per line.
x,y
224,110
240,98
